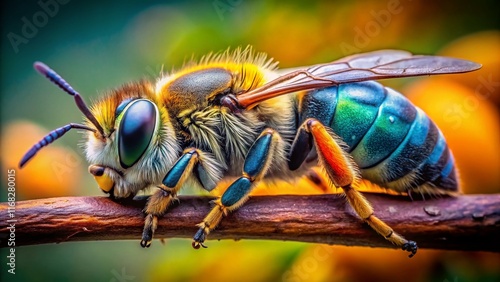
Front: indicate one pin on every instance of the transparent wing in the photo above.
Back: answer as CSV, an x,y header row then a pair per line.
x,y
360,67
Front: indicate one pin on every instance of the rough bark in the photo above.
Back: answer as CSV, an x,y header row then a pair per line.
x,y
469,222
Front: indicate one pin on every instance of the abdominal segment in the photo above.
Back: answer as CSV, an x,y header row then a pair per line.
x,y
394,143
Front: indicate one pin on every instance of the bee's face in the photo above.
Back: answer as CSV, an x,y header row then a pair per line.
x,y
127,158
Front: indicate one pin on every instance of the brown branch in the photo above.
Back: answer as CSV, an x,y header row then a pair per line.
x,y
469,222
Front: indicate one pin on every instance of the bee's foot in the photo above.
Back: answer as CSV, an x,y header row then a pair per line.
x,y
197,245
147,237
411,247
145,243
199,239
148,231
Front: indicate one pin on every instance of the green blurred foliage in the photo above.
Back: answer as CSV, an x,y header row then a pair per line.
x,y
98,45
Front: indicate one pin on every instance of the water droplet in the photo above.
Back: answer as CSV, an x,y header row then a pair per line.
x,y
478,216
432,211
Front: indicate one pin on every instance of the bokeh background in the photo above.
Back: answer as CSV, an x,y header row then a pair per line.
x,y
98,45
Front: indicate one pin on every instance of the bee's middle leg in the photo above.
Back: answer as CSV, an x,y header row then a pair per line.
x,y
257,163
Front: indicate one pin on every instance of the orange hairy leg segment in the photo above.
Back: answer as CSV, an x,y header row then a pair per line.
x,y
335,160
342,171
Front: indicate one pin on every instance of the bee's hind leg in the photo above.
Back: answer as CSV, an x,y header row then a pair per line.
x,y
342,171
257,163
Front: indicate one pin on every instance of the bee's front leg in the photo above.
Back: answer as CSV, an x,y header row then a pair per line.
x,y
257,163
191,160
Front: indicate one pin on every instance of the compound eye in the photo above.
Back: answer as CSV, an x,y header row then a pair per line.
x,y
122,106
136,129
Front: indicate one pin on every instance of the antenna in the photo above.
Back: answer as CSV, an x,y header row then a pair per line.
x,y
59,81
59,132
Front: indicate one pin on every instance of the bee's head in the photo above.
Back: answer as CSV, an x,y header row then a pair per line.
x,y
140,143
129,144
129,130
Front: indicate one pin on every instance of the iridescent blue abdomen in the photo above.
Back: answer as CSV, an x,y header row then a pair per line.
x,y
394,143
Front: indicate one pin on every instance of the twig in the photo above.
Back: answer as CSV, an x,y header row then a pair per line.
x,y
469,222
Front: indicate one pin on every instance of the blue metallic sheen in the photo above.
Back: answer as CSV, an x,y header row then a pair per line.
x,y
438,161
236,191
415,149
357,111
448,167
438,150
176,172
257,156
319,104
395,118
388,137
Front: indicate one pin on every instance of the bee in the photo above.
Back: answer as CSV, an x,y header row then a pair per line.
x,y
234,116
